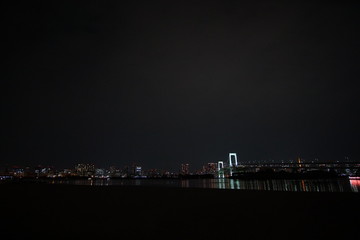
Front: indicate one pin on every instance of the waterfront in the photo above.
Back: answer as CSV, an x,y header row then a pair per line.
x,y
52,211
295,185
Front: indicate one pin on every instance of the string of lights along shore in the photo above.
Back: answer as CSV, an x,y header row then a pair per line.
x,y
231,168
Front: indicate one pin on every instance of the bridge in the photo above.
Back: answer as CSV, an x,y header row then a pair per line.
x,y
233,166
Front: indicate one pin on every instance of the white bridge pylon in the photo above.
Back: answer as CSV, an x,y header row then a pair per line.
x,y
233,163
235,159
220,169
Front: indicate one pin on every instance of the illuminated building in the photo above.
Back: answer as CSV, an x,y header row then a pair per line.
x,y
17,171
115,172
99,172
137,171
66,172
112,170
299,162
210,168
154,173
184,169
85,169
133,170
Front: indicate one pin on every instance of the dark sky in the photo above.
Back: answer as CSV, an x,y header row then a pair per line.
x,y
160,83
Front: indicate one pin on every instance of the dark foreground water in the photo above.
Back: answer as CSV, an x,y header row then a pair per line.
x,y
318,185
78,210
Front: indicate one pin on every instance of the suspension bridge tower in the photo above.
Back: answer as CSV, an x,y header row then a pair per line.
x,y
220,169
232,162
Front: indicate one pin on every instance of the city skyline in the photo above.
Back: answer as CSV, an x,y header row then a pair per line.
x,y
213,168
178,168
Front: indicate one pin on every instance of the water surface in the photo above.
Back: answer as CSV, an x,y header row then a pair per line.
x,y
308,185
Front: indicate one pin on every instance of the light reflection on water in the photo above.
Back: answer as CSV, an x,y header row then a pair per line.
x,y
336,185
355,185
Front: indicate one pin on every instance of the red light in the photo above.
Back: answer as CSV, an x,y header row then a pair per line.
x,y
355,183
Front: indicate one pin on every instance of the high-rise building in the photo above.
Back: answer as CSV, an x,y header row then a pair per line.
x,y
184,170
137,171
85,169
133,170
100,172
115,172
299,161
211,168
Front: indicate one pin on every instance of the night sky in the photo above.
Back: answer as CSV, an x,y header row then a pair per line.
x,y
160,83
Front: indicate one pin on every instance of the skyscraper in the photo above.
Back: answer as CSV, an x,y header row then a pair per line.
x,y
184,169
